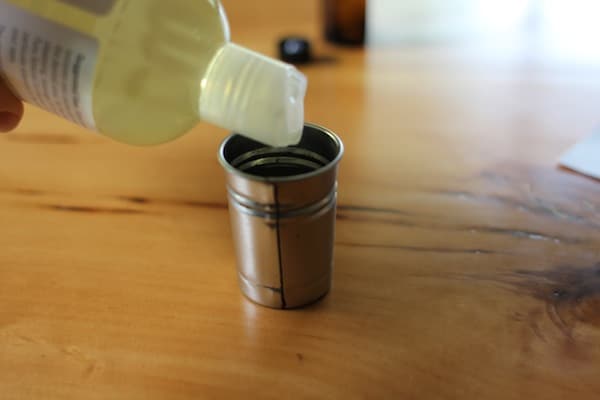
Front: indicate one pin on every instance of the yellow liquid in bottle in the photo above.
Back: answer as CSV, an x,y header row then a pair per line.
x,y
152,57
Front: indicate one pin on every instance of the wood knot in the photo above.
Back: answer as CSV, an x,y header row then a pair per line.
x,y
587,309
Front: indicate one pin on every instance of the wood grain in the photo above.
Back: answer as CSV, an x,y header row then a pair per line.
x,y
467,263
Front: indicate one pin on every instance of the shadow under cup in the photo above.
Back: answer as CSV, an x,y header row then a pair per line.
x,y
282,210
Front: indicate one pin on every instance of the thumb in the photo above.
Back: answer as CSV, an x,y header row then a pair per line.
x,y
11,109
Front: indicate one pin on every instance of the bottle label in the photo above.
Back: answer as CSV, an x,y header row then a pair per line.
x,y
99,7
47,64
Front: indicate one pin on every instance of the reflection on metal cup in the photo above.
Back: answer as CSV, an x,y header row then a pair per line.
x,y
282,207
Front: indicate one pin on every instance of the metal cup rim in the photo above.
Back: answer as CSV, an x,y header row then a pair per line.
x,y
292,178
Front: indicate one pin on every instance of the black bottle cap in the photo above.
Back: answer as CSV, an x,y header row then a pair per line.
x,y
295,50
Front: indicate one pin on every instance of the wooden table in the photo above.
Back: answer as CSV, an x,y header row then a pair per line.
x,y
466,267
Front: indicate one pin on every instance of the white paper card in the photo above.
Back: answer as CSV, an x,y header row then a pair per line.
x,y
584,157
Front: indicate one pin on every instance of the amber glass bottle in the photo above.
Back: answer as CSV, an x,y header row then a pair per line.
x,y
345,21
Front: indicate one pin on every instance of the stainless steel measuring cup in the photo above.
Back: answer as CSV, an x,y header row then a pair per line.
x,y
282,209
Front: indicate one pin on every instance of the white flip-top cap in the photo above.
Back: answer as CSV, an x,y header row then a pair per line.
x,y
254,95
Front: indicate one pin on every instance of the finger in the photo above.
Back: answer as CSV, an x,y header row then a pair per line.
x,y
11,109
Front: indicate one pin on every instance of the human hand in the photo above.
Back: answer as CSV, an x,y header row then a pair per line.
x,y
11,109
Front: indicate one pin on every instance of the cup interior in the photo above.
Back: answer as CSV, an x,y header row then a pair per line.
x,y
317,149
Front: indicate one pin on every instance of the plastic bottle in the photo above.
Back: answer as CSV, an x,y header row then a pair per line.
x,y
146,71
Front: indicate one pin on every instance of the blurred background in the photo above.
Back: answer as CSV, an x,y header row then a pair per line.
x,y
557,29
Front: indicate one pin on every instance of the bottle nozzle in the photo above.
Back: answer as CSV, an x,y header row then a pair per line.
x,y
254,95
